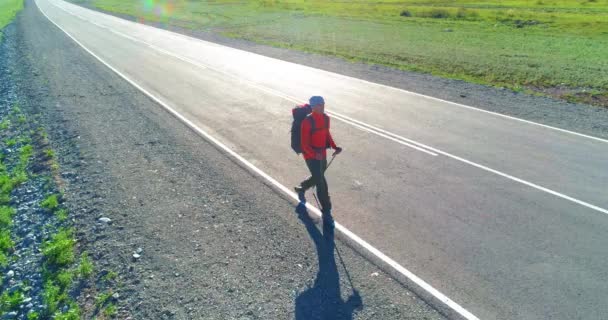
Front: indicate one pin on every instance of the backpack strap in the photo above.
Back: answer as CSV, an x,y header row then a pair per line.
x,y
313,126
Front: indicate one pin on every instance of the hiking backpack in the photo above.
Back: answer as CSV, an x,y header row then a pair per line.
x,y
300,113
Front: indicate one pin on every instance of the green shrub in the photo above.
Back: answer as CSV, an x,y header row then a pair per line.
x,y
6,183
64,279
110,310
49,153
6,242
6,216
111,275
463,13
102,298
435,13
51,203
59,251
19,177
54,165
10,302
10,142
405,13
62,214
85,268
5,124
4,198
73,313
25,153
53,296
3,259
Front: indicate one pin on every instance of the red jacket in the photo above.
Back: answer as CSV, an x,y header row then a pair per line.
x,y
315,143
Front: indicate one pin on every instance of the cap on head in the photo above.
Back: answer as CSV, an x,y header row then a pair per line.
x,y
315,101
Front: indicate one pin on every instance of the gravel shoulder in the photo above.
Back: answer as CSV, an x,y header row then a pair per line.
x,y
212,241
583,118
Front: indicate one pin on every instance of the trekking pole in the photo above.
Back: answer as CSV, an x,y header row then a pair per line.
x,y
330,161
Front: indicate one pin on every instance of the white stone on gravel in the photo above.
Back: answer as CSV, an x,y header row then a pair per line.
x,y
10,273
105,220
136,256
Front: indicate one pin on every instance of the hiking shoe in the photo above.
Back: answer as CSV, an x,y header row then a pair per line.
x,y
301,192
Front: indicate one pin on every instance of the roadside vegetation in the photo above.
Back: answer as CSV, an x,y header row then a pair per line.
x,y
44,271
8,10
549,47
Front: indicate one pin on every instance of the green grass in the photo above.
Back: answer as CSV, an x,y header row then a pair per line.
x,y
85,268
536,45
25,153
6,216
8,10
5,124
10,142
49,153
59,250
111,275
19,177
53,296
6,243
59,267
102,298
62,214
10,302
64,278
50,203
110,310
6,183
73,313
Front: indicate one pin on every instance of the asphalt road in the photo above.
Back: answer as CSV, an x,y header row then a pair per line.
x,y
505,217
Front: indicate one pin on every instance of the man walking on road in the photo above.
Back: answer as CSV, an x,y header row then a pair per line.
x,y
315,139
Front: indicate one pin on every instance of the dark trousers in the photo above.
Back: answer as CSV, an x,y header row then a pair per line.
x,y
317,179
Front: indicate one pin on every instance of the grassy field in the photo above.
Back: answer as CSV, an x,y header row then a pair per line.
x,y
8,10
552,47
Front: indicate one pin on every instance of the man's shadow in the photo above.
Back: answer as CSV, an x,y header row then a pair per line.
x,y
323,300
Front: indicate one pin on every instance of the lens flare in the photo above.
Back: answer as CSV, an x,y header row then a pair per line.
x,y
159,8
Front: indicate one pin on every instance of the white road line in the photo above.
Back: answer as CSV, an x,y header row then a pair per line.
x,y
480,166
430,289
456,104
364,126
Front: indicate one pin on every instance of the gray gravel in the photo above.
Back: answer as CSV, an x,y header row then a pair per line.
x,y
32,225
216,243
